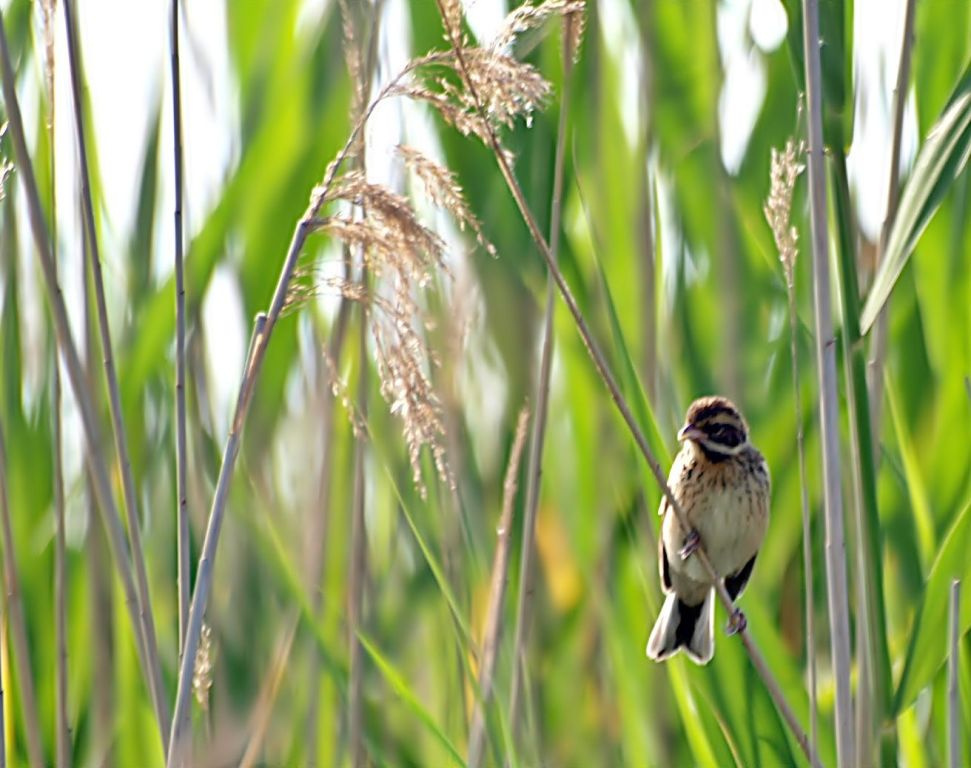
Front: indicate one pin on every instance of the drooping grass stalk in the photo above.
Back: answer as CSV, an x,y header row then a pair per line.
x,y
538,433
155,683
79,384
786,168
62,737
954,750
101,582
826,368
182,510
497,593
879,344
18,625
263,710
603,371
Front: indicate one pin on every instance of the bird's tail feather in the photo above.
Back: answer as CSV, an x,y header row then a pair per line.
x,y
683,627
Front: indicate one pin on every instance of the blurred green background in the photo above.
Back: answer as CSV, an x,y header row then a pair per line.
x,y
675,105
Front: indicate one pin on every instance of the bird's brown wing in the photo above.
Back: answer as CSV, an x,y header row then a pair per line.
x,y
736,582
664,566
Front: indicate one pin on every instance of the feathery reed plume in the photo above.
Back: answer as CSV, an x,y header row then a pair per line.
x,y
479,91
452,18
529,16
202,669
507,88
402,256
785,169
444,191
524,90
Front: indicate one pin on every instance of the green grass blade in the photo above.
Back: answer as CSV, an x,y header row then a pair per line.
x,y
400,686
939,162
928,644
916,487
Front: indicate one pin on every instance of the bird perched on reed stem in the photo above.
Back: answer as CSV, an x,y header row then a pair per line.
x,y
721,483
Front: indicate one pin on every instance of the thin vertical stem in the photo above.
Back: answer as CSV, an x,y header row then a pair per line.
x,y
18,625
534,471
358,556
69,354
319,519
175,752
146,619
357,578
807,544
62,735
97,552
182,511
497,593
953,689
263,711
826,365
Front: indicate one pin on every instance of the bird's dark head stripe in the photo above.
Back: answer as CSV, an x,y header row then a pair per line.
x,y
719,419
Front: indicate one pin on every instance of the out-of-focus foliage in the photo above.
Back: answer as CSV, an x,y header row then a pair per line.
x,y
703,311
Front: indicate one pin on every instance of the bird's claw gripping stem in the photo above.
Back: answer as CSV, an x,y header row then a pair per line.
x,y
691,543
736,622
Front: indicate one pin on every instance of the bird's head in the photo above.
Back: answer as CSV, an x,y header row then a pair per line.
x,y
715,426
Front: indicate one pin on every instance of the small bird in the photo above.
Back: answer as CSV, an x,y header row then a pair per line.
x,y
722,484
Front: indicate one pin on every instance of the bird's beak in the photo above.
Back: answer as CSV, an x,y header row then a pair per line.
x,y
690,432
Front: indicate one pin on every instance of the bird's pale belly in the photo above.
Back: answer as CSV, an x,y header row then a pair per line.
x,y
730,528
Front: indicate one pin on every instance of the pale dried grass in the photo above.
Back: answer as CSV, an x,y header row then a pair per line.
x,y
478,91
785,169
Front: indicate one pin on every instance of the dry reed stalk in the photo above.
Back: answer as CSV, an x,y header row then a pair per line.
x,y
838,598
62,735
142,596
79,384
183,564
497,592
260,720
785,169
610,382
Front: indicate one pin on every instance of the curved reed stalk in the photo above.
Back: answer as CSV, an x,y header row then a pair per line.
x,y
600,363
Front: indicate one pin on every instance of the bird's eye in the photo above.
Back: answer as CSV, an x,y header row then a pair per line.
x,y
725,434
